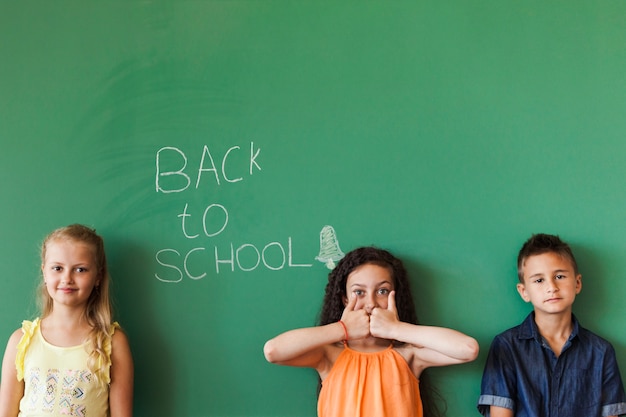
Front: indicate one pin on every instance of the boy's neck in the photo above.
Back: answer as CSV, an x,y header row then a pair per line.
x,y
555,329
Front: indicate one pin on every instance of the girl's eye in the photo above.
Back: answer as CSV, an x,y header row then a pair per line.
x,y
57,268
81,269
383,291
358,293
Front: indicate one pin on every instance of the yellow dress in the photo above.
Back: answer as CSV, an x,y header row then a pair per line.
x,y
57,381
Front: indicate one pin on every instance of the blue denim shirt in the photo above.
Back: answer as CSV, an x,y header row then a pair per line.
x,y
523,374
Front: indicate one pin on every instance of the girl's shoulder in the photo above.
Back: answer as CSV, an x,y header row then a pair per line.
x,y
409,354
30,327
20,341
117,339
121,358
115,327
15,338
117,334
330,354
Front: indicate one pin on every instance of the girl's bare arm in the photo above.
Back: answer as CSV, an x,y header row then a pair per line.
x,y
122,374
11,390
434,346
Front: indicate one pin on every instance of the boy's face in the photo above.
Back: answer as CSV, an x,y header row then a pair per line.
x,y
550,283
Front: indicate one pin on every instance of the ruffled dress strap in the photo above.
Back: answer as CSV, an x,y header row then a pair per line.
x,y
107,350
28,328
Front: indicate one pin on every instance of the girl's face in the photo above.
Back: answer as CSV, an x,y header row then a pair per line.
x,y
70,272
371,285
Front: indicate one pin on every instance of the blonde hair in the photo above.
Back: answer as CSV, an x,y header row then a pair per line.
x,y
98,310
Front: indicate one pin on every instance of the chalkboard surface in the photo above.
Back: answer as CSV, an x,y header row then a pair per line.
x,y
228,150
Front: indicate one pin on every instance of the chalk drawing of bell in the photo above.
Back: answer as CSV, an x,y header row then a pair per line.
x,y
329,247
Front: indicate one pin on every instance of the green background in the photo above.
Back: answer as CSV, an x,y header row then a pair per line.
x,y
447,132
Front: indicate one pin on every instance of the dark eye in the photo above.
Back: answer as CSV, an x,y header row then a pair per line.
x,y
81,269
57,268
560,276
539,280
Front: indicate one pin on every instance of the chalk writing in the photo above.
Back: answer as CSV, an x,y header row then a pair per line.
x,y
178,180
196,263
247,257
220,211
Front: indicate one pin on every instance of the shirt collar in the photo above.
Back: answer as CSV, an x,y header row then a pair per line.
x,y
529,330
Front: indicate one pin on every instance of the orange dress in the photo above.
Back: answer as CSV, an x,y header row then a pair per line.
x,y
378,384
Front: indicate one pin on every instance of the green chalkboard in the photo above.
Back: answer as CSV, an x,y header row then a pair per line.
x,y
227,149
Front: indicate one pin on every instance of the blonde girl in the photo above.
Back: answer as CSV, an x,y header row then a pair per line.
x,y
73,359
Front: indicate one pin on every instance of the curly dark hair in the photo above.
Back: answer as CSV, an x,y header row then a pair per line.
x,y
333,305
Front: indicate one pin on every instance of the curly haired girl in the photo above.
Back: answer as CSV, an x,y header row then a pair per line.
x,y
368,349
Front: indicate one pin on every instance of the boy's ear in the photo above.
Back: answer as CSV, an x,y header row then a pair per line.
x,y
521,289
579,283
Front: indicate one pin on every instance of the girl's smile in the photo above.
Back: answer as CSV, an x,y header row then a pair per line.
x,y
69,271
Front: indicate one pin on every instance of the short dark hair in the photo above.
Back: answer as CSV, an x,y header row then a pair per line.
x,y
541,243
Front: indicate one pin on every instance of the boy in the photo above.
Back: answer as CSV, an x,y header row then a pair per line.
x,y
549,365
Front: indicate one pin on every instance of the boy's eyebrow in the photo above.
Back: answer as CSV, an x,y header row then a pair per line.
x,y
539,274
561,271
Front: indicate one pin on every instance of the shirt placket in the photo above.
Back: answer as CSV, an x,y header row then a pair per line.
x,y
557,368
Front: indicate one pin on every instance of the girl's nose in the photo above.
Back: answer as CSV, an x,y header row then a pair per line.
x,y
67,277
